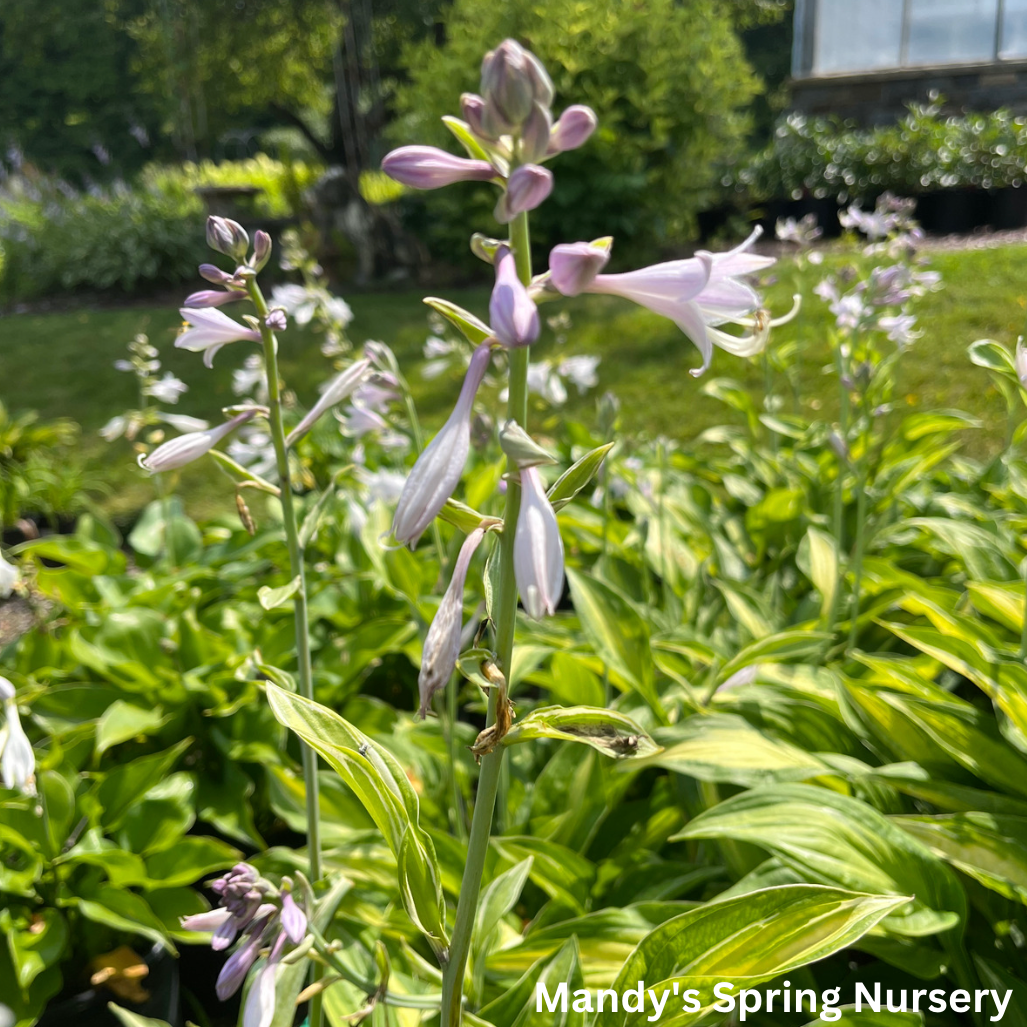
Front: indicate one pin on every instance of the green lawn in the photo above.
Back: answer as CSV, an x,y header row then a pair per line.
x,y
61,364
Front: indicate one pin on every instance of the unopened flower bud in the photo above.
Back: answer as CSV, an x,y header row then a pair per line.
x,y
261,250
276,320
442,644
337,390
294,920
427,167
526,189
507,84
186,448
512,312
438,469
18,760
572,129
213,298
1021,361
538,549
840,446
214,274
237,966
573,266
535,133
472,107
227,237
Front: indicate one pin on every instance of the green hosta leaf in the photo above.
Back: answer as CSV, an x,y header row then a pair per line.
x,y
122,721
517,1006
123,911
560,872
188,860
577,476
750,938
129,1019
270,598
832,839
125,785
497,900
722,747
420,884
618,635
35,941
818,557
992,355
991,849
1000,600
472,328
868,1018
607,731
783,647
312,520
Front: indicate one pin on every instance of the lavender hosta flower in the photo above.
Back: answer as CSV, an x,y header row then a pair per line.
x,y
427,167
803,231
9,577
574,266
357,421
335,392
572,129
18,760
168,389
900,329
301,303
209,330
527,188
438,469
512,312
259,1010
580,371
1020,362
213,298
698,294
534,136
442,643
238,964
183,422
538,549
294,920
180,451
261,249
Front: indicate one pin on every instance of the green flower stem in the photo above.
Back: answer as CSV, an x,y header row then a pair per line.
x,y
861,518
505,615
839,493
305,675
1023,628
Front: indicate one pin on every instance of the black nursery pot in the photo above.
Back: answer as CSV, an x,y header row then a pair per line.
x,y
1008,207
952,211
89,1008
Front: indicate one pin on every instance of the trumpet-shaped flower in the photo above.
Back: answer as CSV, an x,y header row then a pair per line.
x,y
698,294
538,549
438,468
427,167
338,389
259,1010
180,451
512,311
167,389
18,760
9,576
209,330
442,644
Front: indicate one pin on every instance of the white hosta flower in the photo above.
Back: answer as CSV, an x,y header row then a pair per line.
x,y
301,304
442,644
168,389
255,450
114,428
189,447
580,371
336,391
249,377
538,549
438,469
18,761
9,577
356,422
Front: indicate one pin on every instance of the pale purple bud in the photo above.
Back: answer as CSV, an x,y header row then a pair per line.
x,y
427,167
538,549
294,920
276,320
535,134
205,922
438,469
512,311
209,330
261,249
213,297
573,266
572,129
1021,362
186,448
238,964
215,275
227,237
472,107
338,389
442,644
506,82
526,189
840,446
